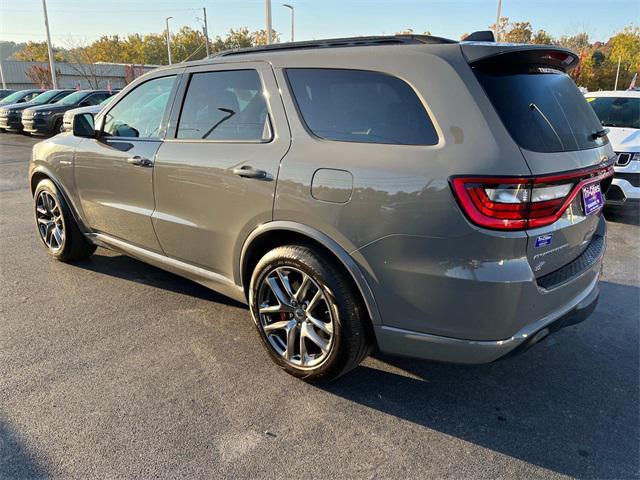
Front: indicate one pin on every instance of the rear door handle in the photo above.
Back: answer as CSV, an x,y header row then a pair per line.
x,y
248,171
139,161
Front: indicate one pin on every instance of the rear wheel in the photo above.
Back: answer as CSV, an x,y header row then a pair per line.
x,y
57,227
309,316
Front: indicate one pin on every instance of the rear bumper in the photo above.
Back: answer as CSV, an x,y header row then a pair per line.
x,y
433,347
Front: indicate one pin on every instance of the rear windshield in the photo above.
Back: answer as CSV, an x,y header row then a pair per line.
x,y
617,111
542,108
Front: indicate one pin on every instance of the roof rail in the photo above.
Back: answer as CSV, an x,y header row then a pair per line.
x,y
406,39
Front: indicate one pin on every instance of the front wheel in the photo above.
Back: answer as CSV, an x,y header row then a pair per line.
x,y
57,227
308,314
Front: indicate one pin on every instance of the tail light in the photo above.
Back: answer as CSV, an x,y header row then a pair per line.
x,y
518,203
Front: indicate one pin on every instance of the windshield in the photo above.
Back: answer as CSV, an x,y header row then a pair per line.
x,y
45,97
73,98
617,111
14,97
542,108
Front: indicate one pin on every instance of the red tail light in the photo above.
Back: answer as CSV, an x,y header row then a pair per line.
x,y
518,203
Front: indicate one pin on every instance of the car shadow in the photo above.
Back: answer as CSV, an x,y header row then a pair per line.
x,y
16,460
563,405
128,268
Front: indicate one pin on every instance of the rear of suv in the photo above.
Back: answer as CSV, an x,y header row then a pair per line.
x,y
433,198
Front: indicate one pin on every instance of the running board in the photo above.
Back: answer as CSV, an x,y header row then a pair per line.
x,y
199,275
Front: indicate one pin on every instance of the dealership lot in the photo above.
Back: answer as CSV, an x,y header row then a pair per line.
x,y
110,367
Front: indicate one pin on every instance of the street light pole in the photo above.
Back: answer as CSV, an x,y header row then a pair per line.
x,y
615,87
206,31
52,67
496,32
168,39
268,15
290,7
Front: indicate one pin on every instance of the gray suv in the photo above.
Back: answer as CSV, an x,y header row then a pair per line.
x,y
431,198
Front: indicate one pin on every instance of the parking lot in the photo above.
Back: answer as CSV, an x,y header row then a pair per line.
x,y
112,368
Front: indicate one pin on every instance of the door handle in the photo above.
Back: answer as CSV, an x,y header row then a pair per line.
x,y
139,161
248,171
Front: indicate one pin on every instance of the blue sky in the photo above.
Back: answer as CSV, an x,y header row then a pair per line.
x,y
80,21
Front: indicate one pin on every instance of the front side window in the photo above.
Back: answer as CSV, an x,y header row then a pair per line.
x,y
139,114
227,105
360,106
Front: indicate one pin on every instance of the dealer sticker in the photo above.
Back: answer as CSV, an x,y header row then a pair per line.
x,y
543,240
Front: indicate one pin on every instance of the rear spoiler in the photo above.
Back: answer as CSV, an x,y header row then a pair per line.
x,y
491,54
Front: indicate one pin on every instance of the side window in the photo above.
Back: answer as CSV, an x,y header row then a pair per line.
x,y
139,114
227,105
94,99
360,106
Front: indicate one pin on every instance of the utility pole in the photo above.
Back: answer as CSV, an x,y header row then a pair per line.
x,y
496,32
617,74
206,31
52,66
168,38
269,37
4,85
290,7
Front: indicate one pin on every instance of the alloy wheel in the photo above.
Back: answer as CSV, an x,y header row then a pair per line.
x,y
296,317
50,222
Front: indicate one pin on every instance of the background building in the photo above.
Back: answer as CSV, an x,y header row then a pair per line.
x,y
21,75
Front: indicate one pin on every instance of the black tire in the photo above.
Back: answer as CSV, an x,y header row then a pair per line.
x,y
351,341
74,245
58,127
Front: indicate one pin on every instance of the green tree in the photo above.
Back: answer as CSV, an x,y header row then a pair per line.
x,y
37,52
518,32
542,38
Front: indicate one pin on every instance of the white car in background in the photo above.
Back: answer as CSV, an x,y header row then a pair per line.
x,y
67,120
619,111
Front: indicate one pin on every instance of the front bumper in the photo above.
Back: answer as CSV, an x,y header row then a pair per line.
x,y
37,125
625,185
11,122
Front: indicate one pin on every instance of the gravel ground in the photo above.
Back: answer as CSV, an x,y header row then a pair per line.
x,y
112,368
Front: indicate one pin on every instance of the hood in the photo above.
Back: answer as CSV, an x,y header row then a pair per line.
x,y
89,109
17,107
624,139
54,107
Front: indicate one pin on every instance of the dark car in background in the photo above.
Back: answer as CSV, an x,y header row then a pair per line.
x,y
5,92
21,96
11,115
67,119
47,119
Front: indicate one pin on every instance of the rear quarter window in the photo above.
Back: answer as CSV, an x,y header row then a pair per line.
x,y
360,106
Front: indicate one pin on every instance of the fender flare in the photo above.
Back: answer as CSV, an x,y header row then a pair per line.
x,y
43,170
340,253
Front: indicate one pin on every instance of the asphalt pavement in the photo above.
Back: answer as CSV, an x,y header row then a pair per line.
x,y
112,368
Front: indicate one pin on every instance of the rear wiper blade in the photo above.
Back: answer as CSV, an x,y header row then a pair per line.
x,y
599,134
534,107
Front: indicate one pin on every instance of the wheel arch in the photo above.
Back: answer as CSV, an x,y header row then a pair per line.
x,y
277,233
42,173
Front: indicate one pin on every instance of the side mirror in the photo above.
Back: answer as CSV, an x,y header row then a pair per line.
x,y
83,126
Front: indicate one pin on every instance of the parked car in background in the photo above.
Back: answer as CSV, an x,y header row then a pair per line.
x,y
5,92
11,115
67,120
21,96
437,199
47,119
619,111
